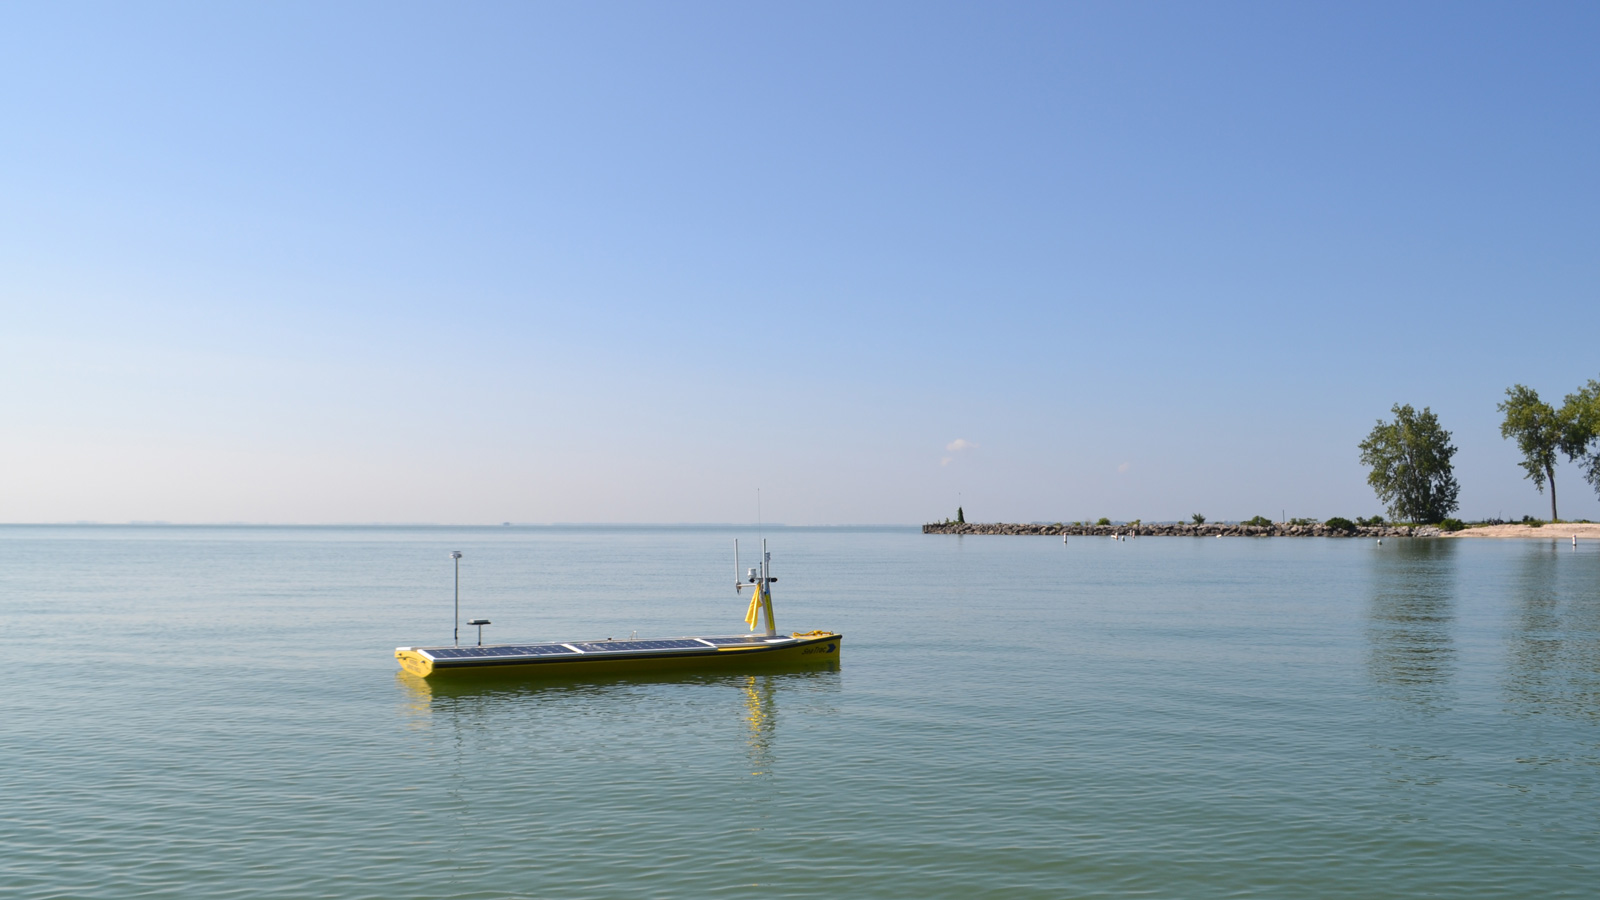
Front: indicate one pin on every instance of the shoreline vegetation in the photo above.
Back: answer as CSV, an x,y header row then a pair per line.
x,y
1410,470
1180,529
1410,458
1548,531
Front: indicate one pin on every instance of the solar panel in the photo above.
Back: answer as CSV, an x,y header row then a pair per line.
x,y
524,651
674,644
499,652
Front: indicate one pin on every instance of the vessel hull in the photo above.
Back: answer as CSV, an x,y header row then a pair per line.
x,y
820,649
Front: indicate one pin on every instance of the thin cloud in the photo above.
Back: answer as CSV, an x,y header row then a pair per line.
x,y
1124,467
958,445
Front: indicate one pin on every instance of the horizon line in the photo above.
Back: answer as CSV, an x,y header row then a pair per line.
x,y
157,523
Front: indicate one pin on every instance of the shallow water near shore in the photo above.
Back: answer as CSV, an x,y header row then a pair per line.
x,y
216,712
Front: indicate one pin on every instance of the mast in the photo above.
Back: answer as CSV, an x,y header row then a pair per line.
x,y
766,585
761,579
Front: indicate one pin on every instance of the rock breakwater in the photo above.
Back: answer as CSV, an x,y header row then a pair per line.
x,y
1180,530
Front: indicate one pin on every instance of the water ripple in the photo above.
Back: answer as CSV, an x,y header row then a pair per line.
x,y
214,712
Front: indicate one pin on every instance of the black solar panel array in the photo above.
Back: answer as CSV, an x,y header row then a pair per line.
x,y
675,644
526,650
499,652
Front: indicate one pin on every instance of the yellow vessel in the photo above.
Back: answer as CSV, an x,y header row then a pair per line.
x,y
565,659
609,657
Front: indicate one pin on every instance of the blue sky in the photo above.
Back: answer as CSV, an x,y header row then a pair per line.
x,y
630,262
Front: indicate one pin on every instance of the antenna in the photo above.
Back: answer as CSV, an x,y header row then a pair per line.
x,y
736,582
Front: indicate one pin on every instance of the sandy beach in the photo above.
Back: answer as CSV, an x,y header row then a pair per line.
x,y
1562,531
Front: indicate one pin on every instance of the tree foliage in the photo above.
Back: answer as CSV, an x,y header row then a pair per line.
x,y
1540,431
1581,413
1410,462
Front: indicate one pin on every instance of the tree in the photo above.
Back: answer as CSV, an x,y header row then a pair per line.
x,y
1581,415
1541,433
1410,462
961,517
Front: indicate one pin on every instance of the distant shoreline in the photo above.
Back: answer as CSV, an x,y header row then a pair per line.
x,y
1210,529
1550,531
1557,531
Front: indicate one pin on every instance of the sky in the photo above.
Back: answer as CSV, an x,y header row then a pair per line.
x,y
635,262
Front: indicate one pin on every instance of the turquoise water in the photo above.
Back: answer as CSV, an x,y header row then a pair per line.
x,y
216,712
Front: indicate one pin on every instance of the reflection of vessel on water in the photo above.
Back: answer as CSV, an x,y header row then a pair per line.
x,y
761,716
742,651
741,710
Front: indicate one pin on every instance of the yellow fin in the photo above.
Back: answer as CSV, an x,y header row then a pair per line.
x,y
754,612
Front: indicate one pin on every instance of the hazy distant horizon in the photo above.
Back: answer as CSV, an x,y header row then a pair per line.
x,y
726,526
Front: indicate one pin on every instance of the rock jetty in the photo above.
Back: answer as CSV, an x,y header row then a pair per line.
x,y
1210,529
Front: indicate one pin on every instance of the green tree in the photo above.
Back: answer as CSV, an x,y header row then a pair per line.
x,y
1410,463
961,517
1581,415
1541,432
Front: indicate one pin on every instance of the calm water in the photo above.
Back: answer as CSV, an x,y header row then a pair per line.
x,y
215,712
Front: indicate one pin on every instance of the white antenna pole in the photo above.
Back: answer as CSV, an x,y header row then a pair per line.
x,y
736,575
456,555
